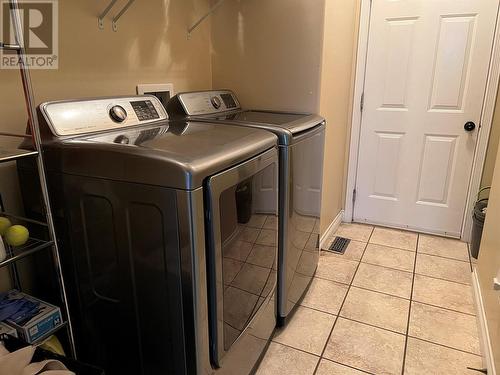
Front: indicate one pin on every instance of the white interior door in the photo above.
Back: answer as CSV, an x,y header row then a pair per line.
x,y
427,66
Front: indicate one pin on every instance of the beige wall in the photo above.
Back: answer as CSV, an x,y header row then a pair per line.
x,y
150,46
491,152
489,264
337,82
270,52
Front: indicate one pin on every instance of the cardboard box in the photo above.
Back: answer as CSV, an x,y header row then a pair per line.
x,y
45,321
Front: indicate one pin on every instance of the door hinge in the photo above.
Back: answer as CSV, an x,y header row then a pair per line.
x,y
362,102
354,196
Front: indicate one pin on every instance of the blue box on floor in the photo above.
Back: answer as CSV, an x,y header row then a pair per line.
x,y
45,321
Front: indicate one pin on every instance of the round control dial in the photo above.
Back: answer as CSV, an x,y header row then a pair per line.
x,y
216,102
118,113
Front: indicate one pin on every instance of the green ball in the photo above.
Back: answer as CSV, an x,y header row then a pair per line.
x,y
17,235
4,225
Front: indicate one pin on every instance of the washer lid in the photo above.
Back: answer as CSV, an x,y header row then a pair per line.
x,y
266,117
177,155
284,124
223,106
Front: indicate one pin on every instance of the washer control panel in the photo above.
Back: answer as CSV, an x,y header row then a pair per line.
x,y
77,117
145,110
208,102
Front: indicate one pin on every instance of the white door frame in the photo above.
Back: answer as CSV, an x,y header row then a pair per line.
x,y
484,124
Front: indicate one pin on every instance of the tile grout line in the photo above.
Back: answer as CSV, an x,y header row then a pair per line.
x,y
386,267
409,310
340,283
342,304
442,308
372,325
294,348
443,257
335,281
391,247
411,251
318,310
442,279
379,292
411,300
444,346
400,270
348,366
320,358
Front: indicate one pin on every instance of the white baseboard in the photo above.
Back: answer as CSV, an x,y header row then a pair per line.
x,y
332,228
484,337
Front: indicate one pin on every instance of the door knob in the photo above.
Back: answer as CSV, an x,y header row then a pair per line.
x,y
469,126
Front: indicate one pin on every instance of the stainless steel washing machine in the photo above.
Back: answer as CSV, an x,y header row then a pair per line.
x,y
168,271
301,139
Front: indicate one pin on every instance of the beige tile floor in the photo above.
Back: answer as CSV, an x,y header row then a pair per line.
x,y
396,302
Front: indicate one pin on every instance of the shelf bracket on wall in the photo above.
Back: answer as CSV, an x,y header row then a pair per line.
x,y
121,13
197,23
100,18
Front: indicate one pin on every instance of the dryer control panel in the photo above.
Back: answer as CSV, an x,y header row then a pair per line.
x,y
208,102
76,117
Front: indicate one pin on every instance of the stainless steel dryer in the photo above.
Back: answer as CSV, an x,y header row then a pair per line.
x,y
301,139
156,223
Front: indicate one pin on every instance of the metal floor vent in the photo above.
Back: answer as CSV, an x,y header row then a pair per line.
x,y
339,245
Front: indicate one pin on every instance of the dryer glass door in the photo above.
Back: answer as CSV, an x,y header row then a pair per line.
x,y
241,256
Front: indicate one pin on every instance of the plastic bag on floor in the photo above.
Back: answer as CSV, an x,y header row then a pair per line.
x,y
19,363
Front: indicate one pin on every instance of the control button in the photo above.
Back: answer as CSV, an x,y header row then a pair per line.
x,y
122,139
118,113
216,102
